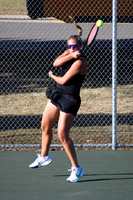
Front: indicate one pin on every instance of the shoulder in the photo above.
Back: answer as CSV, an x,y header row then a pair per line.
x,y
81,65
82,60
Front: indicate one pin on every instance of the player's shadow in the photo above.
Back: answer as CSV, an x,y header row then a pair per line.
x,y
108,177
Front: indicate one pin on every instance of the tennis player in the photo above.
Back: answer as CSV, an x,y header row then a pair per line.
x,y
64,104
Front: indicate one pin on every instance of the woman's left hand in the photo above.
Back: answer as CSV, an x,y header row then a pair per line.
x,y
49,73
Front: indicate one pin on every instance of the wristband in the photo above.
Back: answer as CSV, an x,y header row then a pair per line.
x,y
50,74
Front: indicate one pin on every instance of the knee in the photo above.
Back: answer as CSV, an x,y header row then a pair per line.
x,y
45,129
63,137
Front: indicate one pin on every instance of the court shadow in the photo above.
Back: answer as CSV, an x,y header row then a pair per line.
x,y
107,178
25,64
93,177
33,121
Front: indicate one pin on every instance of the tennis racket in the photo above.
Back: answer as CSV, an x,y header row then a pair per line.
x,y
92,35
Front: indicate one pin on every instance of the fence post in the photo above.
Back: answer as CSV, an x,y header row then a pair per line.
x,y
114,79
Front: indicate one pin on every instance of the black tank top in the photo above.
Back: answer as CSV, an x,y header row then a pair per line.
x,y
73,85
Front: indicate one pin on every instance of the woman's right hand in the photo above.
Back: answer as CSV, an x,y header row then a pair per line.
x,y
76,54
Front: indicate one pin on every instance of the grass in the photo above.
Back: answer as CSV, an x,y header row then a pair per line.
x,y
99,100
13,7
95,102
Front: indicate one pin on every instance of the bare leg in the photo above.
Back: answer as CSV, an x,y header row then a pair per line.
x,y
64,126
50,115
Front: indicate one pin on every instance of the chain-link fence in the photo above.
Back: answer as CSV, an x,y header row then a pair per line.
x,y
32,35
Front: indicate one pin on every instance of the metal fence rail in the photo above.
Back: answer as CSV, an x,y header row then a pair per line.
x,y
29,43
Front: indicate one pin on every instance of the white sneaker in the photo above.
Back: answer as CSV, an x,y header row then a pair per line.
x,y
75,175
41,161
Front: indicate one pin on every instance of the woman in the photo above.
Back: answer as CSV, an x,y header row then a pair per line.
x,y
63,105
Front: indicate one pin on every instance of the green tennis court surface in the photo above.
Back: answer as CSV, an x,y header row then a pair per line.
x,y
108,175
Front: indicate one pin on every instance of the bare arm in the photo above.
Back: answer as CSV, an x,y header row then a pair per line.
x,y
79,66
65,57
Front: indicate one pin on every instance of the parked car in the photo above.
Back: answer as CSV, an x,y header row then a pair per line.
x,y
35,8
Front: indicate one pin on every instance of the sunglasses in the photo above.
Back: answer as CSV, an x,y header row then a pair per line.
x,y
72,45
